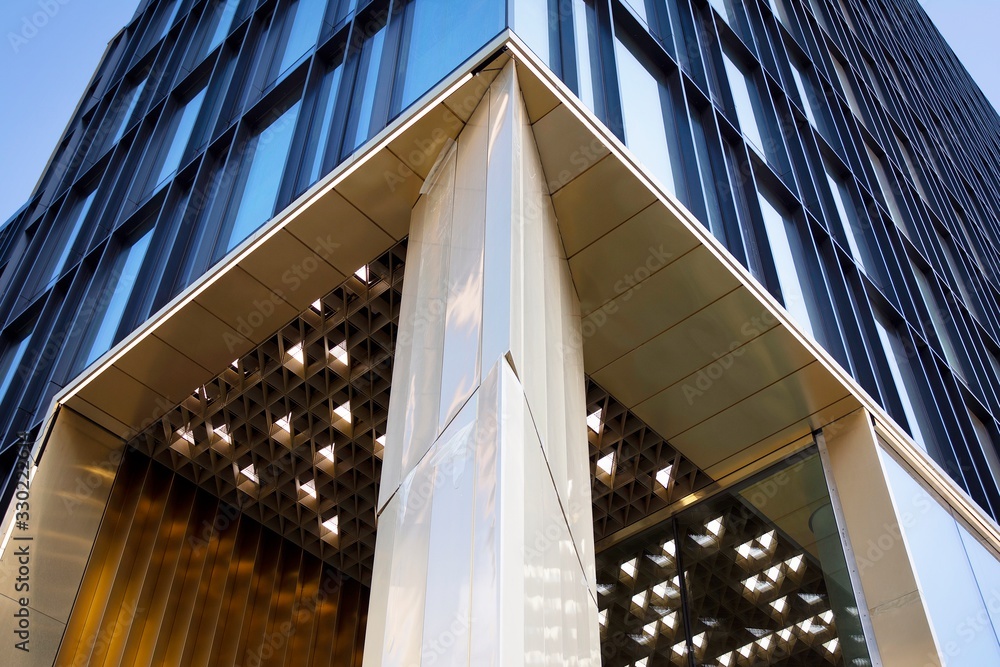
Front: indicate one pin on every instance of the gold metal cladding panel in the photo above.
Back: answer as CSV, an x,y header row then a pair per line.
x,y
179,578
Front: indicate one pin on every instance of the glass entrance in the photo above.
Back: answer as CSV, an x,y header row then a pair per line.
x,y
754,575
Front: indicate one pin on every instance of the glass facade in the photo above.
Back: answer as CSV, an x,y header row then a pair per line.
x,y
962,607
838,150
753,575
204,119
862,128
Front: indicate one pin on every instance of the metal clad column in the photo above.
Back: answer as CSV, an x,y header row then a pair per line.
x,y
899,619
485,549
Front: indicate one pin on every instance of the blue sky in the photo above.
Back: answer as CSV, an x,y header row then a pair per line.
x,y
50,49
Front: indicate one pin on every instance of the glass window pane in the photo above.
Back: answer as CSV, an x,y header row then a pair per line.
x,y
897,355
363,100
264,164
110,305
736,579
733,14
648,112
431,52
531,23
952,596
794,279
303,32
177,138
126,107
588,56
847,84
741,90
854,232
960,277
225,12
986,442
807,94
904,150
710,183
316,147
939,315
782,14
75,224
171,16
753,116
888,192
10,363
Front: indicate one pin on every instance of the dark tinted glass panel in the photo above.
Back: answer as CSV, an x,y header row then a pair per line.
x,y
109,305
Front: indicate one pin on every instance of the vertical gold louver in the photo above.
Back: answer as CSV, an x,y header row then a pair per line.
x,y
177,579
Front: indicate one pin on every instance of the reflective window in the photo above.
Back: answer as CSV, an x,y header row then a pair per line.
x,y
898,355
256,191
709,181
875,83
109,305
960,276
888,191
175,140
650,130
531,23
958,578
915,178
588,56
854,232
940,317
639,6
161,24
10,363
755,575
806,96
750,113
121,112
322,125
737,169
344,9
814,102
359,126
819,13
63,243
215,28
986,443
971,244
733,14
798,291
171,16
783,15
224,15
847,84
300,32
431,50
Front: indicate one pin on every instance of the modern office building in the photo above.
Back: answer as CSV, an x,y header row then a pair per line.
x,y
501,332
